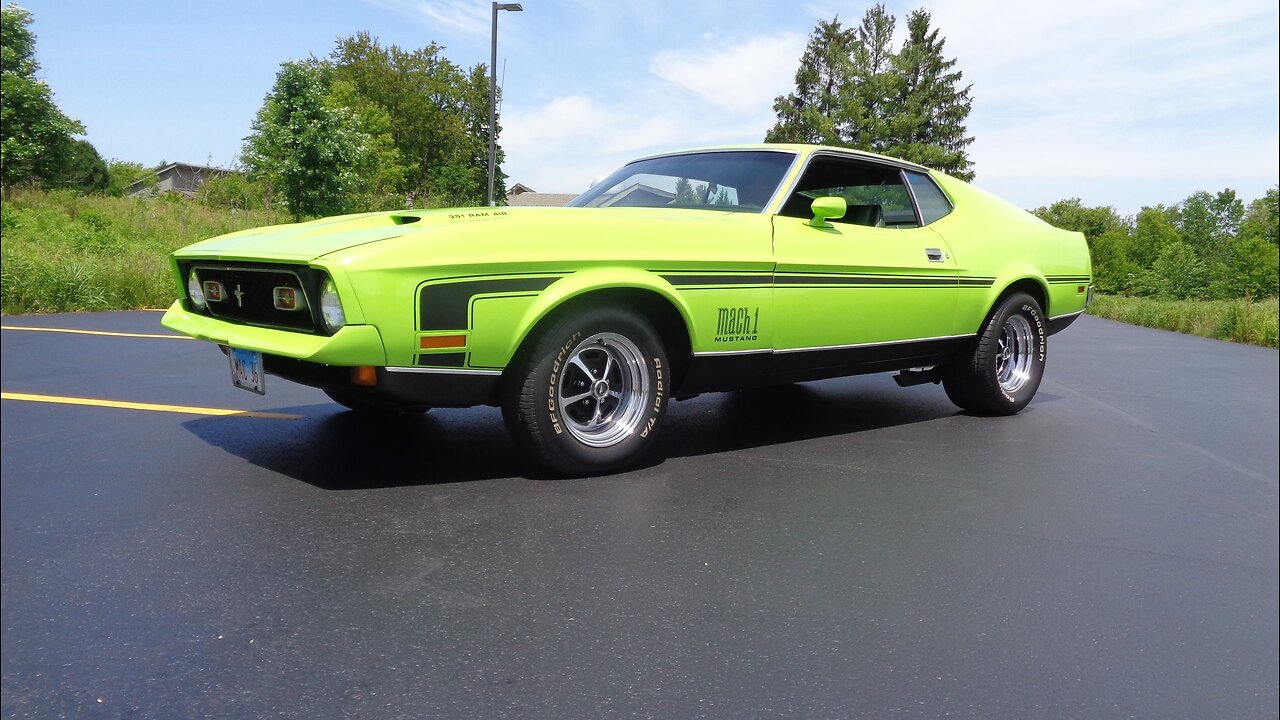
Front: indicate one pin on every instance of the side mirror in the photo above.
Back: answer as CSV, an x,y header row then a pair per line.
x,y
827,207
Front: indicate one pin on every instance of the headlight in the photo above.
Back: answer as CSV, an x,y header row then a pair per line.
x,y
330,308
194,291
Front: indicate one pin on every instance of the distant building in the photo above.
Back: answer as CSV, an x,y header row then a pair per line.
x,y
636,195
521,195
176,177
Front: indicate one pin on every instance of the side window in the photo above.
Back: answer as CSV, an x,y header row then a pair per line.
x,y
933,204
875,194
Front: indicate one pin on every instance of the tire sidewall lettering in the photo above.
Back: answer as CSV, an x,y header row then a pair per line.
x,y
553,379
659,395
1033,314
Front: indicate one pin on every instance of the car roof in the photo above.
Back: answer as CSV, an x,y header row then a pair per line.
x,y
798,148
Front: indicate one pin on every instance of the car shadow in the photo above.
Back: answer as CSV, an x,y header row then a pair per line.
x,y
747,419
334,449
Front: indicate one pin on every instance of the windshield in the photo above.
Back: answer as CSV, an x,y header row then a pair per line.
x,y
738,181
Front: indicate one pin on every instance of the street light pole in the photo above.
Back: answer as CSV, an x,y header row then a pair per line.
x,y
493,92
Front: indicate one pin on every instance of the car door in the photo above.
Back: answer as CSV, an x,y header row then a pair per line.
x,y
873,278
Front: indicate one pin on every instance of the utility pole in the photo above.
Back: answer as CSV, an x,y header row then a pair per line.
x,y
493,92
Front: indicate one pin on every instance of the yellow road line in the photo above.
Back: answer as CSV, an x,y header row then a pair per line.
x,y
95,332
147,406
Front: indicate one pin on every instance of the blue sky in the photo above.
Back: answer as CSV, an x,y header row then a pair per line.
x,y
1118,102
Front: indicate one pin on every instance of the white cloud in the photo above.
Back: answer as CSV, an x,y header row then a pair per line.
x,y
468,16
740,79
710,94
1096,90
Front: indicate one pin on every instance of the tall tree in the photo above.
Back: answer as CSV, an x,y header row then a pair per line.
x,y
873,83
35,136
1152,234
1262,219
931,108
1072,214
438,111
853,90
814,111
81,168
304,148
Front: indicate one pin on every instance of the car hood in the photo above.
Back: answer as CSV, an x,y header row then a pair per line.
x,y
309,241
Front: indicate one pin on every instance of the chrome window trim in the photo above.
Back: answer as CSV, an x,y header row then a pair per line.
x,y
900,165
764,209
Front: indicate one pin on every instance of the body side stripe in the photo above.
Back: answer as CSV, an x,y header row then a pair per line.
x,y
445,306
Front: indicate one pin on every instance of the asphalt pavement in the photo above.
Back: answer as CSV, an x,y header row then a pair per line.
x,y
837,549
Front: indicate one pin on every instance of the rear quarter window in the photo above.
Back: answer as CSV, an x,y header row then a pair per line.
x,y
932,203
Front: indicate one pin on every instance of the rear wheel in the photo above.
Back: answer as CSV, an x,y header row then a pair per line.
x,y
369,406
589,394
999,372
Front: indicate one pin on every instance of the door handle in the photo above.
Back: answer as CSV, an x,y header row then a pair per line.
x,y
934,254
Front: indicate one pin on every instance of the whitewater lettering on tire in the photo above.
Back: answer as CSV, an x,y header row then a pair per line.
x,y
554,378
1041,336
657,398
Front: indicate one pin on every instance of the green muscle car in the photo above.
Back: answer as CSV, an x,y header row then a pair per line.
x,y
683,273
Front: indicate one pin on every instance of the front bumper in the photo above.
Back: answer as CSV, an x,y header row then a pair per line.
x,y
327,362
352,345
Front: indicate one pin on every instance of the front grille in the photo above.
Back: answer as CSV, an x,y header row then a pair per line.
x,y
249,295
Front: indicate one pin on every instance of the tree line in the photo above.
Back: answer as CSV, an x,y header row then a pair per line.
x,y
1209,246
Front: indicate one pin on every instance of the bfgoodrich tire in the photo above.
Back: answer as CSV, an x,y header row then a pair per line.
x,y
999,372
589,394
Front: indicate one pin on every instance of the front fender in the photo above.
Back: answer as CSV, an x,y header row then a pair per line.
x,y
486,353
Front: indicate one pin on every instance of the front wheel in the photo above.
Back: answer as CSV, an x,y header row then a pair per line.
x,y
999,372
589,394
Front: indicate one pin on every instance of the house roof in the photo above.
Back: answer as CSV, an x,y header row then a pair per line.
x,y
537,199
198,170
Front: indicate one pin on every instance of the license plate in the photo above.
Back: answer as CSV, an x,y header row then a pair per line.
x,y
246,370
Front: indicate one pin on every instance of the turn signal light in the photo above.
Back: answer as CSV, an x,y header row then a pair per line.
x,y
364,375
435,342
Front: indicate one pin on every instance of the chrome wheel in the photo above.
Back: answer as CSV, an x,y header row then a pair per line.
x,y
1015,353
603,389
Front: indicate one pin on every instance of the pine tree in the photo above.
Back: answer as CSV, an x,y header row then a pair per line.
x,y
813,112
867,100
853,90
931,107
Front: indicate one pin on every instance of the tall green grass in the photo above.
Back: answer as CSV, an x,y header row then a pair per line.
x,y
1243,321
62,252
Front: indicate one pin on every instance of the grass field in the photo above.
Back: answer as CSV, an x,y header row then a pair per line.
x,y
64,252
1235,320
